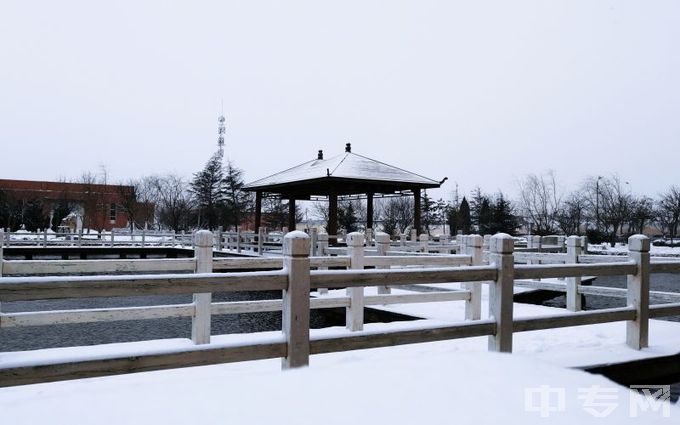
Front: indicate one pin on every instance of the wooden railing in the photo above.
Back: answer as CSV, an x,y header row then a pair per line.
x,y
296,280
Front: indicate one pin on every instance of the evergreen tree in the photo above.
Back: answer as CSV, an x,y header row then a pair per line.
x,y
485,219
504,219
275,212
428,210
453,219
207,188
347,217
464,219
236,200
476,208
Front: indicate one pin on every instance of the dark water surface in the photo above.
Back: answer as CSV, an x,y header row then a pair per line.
x,y
659,282
38,337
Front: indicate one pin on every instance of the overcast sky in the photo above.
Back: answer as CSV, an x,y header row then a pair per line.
x,y
480,91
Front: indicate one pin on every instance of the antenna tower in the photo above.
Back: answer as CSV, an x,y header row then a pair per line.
x,y
221,129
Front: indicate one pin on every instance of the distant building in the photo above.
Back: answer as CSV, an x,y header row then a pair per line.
x,y
94,206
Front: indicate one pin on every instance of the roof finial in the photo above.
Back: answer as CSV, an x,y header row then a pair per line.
x,y
348,147
320,154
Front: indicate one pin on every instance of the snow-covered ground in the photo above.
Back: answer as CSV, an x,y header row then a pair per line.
x,y
423,383
440,382
622,249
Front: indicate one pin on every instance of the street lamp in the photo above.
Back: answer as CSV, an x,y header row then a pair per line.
x,y
597,202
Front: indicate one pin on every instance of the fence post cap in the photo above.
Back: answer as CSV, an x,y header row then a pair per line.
x,y
355,239
502,243
638,243
296,244
474,241
574,241
204,238
382,237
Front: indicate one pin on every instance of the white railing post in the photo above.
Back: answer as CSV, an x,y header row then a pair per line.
x,y
219,237
637,331
322,250
473,248
584,244
200,323
414,235
143,238
460,249
536,244
369,237
501,292
573,294
402,239
487,242
322,241
2,255
314,245
355,312
2,248
296,299
112,238
45,237
382,243
262,238
424,242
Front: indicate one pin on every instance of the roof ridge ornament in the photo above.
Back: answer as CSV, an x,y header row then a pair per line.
x,y
348,147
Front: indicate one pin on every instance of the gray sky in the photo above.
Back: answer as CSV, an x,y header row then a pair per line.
x,y
480,91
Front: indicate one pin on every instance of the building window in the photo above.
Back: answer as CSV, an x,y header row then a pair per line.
x,y
112,212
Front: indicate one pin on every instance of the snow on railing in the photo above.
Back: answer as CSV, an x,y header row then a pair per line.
x,y
296,279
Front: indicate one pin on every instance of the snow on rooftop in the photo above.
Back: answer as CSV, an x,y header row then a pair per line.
x,y
348,165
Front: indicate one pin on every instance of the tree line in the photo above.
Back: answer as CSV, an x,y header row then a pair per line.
x,y
603,207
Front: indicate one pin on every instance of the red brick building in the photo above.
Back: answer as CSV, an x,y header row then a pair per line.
x,y
98,206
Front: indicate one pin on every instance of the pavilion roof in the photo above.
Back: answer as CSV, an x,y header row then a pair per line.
x,y
348,173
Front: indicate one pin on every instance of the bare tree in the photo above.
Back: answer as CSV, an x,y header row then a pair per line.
x,y
642,213
572,216
396,214
173,200
540,202
669,210
613,205
93,202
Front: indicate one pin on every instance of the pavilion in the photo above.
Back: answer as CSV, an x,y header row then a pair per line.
x,y
342,175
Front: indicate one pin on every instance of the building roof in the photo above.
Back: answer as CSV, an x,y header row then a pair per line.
x,y
59,190
348,173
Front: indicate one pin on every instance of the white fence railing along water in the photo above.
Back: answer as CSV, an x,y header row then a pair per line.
x,y
293,275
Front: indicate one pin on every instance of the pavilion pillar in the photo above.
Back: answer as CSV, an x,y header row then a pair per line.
x,y
416,210
369,211
332,219
258,211
291,215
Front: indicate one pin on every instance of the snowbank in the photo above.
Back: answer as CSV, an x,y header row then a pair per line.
x,y
397,388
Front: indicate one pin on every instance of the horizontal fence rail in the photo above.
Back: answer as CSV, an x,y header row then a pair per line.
x,y
297,273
